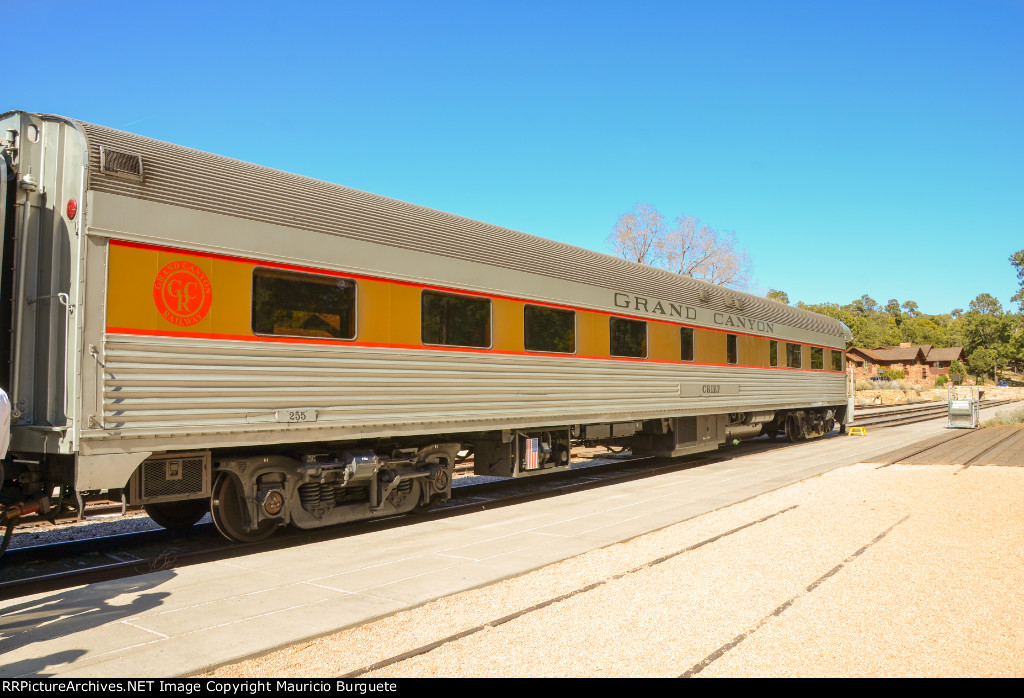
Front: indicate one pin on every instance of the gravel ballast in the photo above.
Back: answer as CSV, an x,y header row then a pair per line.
x,y
908,570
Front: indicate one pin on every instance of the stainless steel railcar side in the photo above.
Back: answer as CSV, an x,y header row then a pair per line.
x,y
134,365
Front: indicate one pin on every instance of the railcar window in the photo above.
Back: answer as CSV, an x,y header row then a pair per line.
x,y
817,357
731,355
303,305
686,342
628,337
837,360
549,329
455,321
773,353
793,359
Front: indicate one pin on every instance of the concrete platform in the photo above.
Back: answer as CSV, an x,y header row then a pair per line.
x,y
179,622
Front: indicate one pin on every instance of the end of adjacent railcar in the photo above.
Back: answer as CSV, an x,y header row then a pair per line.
x,y
42,202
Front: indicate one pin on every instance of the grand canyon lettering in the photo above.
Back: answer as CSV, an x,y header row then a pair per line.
x,y
681,311
638,303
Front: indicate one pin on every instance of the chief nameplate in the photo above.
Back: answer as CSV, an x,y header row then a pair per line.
x,y
708,389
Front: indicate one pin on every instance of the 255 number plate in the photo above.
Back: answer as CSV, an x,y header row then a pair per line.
x,y
297,415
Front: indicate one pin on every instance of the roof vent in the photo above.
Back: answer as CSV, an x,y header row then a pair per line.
x,y
120,164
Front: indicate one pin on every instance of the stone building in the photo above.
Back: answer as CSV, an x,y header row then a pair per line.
x,y
919,362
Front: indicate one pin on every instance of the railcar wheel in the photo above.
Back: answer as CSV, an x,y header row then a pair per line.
x,y
435,456
227,507
793,429
177,516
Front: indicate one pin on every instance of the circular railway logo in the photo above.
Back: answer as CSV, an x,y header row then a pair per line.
x,y
183,293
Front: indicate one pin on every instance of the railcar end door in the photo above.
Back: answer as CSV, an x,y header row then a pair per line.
x,y
8,182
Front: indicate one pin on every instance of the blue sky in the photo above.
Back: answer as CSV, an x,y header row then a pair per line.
x,y
853,147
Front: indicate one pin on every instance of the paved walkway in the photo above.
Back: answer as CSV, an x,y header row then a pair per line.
x,y
178,622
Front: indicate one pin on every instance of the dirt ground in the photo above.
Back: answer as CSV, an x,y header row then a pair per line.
x,y
868,398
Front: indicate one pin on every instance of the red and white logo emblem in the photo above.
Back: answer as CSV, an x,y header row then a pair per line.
x,y
183,293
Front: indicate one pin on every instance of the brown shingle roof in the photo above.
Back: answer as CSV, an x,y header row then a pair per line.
x,y
924,353
899,353
944,354
862,351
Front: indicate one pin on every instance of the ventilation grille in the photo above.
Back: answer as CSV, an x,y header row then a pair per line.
x,y
175,477
120,164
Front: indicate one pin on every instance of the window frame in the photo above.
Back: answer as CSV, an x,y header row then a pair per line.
x,y
575,328
733,339
799,354
773,362
321,275
647,337
474,296
835,353
693,344
820,352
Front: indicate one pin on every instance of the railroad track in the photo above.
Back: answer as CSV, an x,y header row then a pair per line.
x,y
37,569
899,415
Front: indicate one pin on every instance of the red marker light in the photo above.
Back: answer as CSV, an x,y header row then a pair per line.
x,y
72,209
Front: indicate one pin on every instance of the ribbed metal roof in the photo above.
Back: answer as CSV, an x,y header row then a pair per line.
x,y
194,179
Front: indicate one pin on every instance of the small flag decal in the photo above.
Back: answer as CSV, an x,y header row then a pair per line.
x,y
531,454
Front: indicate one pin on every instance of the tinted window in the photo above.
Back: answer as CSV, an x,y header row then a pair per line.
x,y
773,353
303,305
628,337
793,355
817,357
455,321
549,329
837,360
730,349
686,342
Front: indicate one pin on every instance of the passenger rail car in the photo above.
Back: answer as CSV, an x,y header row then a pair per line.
x,y
197,333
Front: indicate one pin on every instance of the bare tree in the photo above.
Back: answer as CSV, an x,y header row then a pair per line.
x,y
636,235
694,249
690,248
